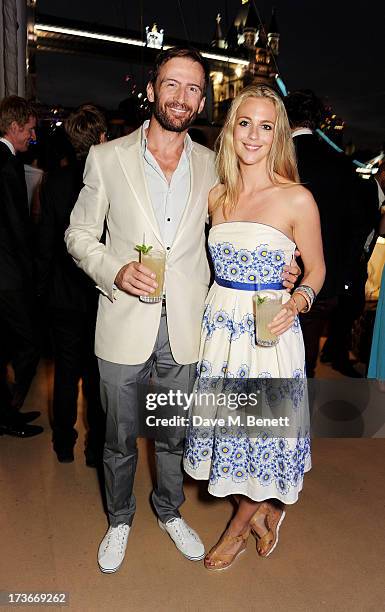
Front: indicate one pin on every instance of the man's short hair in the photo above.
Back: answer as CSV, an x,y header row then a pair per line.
x,y
304,109
185,52
84,128
14,108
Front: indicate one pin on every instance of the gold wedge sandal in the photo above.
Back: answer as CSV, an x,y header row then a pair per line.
x,y
273,518
218,558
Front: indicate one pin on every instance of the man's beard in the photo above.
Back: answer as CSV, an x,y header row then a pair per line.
x,y
173,124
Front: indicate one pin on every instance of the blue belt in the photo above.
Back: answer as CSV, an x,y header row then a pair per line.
x,y
248,286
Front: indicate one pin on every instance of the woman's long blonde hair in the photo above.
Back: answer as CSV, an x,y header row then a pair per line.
x,y
281,159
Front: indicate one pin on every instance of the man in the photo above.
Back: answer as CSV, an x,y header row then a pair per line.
x,y
18,336
153,183
362,232
71,295
328,176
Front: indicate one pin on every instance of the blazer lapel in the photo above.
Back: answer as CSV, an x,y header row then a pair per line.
x,y
131,161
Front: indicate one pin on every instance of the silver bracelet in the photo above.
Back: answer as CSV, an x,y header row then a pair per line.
x,y
308,293
306,298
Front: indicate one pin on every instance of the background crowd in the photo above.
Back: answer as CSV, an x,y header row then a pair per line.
x,y
48,305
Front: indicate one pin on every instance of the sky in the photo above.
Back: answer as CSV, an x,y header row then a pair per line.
x,y
335,49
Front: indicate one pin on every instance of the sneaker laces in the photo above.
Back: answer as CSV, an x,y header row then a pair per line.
x,y
118,533
181,528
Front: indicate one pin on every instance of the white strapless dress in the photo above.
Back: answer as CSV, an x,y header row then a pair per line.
x,y
234,462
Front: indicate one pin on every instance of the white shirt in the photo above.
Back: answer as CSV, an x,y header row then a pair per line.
x,y
381,195
168,199
33,178
9,145
301,131
381,199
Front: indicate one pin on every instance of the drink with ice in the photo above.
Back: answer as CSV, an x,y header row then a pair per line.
x,y
155,261
267,306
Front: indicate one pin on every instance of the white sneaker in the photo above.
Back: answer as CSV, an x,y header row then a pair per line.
x,y
113,548
185,539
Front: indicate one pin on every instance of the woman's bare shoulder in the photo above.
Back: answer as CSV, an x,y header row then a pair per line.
x,y
214,194
297,195
216,191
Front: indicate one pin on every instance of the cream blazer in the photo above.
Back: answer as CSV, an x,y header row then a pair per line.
x,y
115,193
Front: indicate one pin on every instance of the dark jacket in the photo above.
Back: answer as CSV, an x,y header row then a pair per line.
x,y
16,261
365,218
59,279
329,177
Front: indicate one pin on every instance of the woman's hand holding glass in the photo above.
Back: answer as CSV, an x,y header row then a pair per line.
x,y
286,316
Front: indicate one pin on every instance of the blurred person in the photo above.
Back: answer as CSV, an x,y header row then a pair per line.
x,y
380,180
55,151
328,177
361,236
71,295
376,367
33,174
372,287
19,340
58,150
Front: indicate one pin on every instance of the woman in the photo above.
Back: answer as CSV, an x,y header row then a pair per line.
x,y
259,215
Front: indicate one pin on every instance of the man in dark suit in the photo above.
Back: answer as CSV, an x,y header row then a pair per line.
x,y
18,336
71,295
328,175
363,232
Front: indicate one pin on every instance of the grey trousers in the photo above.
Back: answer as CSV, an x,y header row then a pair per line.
x,y
119,395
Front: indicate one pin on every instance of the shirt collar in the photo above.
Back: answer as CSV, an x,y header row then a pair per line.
x,y
188,143
9,145
301,131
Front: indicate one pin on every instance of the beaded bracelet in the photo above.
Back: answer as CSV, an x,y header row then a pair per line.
x,y
307,293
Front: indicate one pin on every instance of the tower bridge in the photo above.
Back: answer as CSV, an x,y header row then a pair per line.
x,y
246,54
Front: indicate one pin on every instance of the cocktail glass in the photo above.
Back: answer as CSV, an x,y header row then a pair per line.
x,y
155,261
267,306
